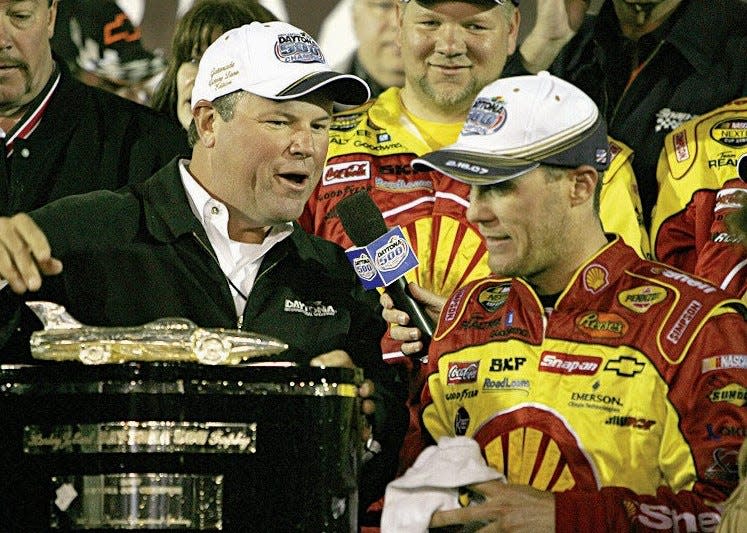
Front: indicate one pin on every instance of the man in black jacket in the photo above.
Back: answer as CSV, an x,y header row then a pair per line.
x,y
649,65
61,136
212,239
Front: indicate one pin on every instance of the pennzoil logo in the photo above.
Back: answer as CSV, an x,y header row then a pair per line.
x,y
732,393
595,278
493,298
731,132
462,372
602,325
640,299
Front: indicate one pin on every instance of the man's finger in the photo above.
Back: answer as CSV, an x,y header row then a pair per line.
x,y
336,358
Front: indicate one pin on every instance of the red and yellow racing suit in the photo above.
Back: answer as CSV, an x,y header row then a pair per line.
x,y
627,399
698,186
371,148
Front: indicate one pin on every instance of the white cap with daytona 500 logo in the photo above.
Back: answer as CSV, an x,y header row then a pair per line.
x,y
274,60
515,124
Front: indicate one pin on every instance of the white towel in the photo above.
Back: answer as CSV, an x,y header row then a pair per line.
x,y
432,483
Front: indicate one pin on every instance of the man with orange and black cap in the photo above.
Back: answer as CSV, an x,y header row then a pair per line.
x,y
104,49
605,389
60,136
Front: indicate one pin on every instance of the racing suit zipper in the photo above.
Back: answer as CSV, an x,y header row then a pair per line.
x,y
209,250
640,69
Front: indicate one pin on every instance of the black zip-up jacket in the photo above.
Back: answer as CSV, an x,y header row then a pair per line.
x,y
88,139
139,254
695,62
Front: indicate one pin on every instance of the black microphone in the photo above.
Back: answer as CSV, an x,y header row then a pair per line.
x,y
364,223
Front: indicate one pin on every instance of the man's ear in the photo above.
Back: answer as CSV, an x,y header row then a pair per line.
x,y
204,118
584,184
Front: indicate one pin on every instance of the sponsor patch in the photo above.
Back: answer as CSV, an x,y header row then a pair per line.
x,y
731,132
602,325
337,173
592,400
569,364
462,372
453,305
595,278
493,298
461,421
383,138
507,364
725,430
681,277
625,366
732,393
506,385
316,308
680,146
629,421
687,316
640,299
486,116
724,362
663,518
402,185
460,395
297,48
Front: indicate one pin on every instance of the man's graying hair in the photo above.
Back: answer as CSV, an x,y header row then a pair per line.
x,y
225,106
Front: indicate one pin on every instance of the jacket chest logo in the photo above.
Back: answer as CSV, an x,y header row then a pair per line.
x,y
317,308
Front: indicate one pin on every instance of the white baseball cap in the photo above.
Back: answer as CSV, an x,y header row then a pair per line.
x,y
274,60
515,124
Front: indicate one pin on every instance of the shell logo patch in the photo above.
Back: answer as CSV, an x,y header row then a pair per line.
x,y
640,299
595,278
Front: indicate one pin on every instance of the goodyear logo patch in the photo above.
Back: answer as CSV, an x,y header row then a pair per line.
x,y
640,299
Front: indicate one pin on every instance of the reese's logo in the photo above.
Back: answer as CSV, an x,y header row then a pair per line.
x,y
602,325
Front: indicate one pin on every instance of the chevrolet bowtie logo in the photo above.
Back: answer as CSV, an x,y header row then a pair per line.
x,y
625,366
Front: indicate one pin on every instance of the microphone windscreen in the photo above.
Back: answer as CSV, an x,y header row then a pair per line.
x,y
361,218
